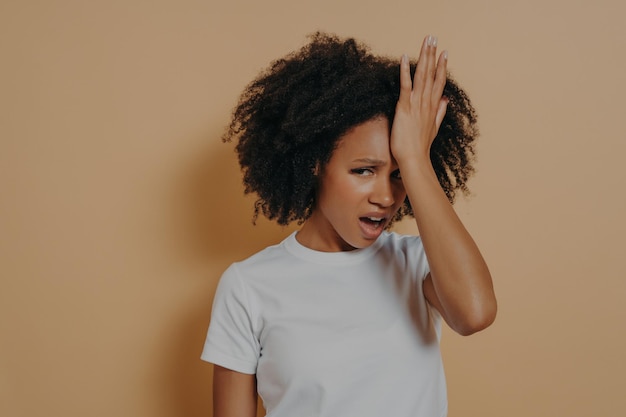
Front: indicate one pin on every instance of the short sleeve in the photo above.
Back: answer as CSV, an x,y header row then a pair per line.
x,y
423,267
413,249
231,340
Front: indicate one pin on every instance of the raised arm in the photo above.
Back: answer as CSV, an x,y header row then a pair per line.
x,y
234,393
459,285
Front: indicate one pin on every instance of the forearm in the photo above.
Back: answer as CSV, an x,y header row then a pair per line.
x,y
459,285
460,277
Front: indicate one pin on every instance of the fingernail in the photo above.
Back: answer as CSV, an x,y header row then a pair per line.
x,y
405,59
435,41
429,40
445,55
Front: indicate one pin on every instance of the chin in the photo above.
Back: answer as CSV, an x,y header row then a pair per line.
x,y
361,243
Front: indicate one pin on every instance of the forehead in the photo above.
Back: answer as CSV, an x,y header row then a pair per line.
x,y
366,140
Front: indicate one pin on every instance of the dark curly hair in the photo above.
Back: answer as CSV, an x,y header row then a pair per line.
x,y
289,119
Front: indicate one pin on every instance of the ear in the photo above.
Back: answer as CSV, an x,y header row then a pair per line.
x,y
316,169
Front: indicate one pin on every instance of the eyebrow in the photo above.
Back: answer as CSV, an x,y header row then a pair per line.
x,y
370,161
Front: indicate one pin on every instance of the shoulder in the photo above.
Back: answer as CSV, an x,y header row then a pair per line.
x,y
406,250
262,264
404,243
268,255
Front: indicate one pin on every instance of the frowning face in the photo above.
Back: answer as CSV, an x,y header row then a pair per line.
x,y
360,191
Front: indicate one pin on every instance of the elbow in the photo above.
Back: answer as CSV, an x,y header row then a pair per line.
x,y
479,319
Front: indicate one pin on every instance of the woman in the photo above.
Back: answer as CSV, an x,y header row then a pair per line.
x,y
343,317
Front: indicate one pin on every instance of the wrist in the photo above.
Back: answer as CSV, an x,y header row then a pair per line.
x,y
414,161
417,169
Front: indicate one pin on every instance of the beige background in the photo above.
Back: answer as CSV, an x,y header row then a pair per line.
x,y
119,206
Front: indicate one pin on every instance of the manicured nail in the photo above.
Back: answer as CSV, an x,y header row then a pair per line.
x,y
429,40
405,59
435,41
445,55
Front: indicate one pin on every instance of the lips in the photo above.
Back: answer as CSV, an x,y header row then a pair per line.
x,y
372,225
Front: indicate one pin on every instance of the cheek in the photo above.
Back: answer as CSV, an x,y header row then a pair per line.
x,y
349,187
335,194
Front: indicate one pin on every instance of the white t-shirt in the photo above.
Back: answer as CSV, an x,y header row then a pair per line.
x,y
332,334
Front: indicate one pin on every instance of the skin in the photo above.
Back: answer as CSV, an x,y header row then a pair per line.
x,y
459,285
234,393
362,180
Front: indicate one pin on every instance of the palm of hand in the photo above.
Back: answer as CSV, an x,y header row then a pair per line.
x,y
421,105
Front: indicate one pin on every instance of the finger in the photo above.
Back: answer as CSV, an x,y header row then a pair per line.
x,y
422,65
441,76
405,79
441,111
431,67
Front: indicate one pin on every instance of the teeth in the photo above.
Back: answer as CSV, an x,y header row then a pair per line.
x,y
376,219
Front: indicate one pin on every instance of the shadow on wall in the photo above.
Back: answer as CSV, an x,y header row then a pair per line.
x,y
187,380
219,217
216,223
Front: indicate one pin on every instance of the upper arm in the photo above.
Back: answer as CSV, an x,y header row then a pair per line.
x,y
234,393
460,325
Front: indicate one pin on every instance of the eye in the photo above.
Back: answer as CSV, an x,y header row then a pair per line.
x,y
362,171
396,174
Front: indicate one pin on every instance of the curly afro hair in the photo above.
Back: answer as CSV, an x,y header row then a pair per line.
x,y
290,118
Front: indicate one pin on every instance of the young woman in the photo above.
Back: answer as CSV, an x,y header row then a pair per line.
x,y
343,317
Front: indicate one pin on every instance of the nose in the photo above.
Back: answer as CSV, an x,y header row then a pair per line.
x,y
382,194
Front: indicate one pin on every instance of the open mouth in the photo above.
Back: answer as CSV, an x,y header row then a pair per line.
x,y
372,227
373,221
